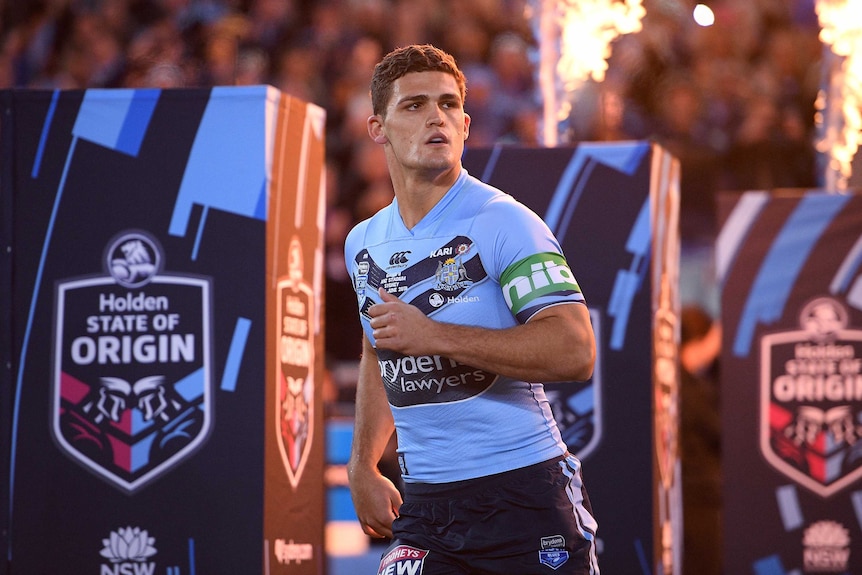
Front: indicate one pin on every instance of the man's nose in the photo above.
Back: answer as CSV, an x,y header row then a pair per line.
x,y
436,117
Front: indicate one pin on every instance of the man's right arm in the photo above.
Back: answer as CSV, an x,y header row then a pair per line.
x,y
375,498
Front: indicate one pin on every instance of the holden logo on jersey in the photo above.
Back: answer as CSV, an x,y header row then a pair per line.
x,y
132,369
811,399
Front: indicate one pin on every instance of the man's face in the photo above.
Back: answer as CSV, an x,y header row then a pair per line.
x,y
425,124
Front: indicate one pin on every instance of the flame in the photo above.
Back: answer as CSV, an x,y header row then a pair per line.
x,y
841,29
575,39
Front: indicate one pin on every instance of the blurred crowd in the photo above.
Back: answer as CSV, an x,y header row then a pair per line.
x,y
733,101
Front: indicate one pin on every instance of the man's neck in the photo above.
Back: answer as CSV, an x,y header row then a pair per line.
x,y
418,195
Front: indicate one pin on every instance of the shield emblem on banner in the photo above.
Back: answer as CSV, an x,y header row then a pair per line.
x,y
294,393
810,408
131,374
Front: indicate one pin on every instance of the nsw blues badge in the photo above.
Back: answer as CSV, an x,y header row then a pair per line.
x,y
553,553
131,389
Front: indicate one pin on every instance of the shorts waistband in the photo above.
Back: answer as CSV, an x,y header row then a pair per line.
x,y
431,491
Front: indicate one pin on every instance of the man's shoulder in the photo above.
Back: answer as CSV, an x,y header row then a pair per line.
x,y
502,208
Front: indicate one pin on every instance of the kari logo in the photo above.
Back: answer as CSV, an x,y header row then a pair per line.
x,y
403,560
811,399
131,369
294,386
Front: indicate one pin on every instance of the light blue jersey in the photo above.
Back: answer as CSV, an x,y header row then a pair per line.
x,y
477,258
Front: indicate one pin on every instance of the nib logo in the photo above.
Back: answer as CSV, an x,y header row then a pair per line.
x,y
128,550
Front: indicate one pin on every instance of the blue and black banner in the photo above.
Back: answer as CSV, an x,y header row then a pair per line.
x,y
146,234
614,208
789,265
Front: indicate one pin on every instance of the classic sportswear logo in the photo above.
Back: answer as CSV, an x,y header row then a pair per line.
x,y
534,277
399,258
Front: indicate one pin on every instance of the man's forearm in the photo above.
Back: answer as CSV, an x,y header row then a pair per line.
x,y
373,423
553,347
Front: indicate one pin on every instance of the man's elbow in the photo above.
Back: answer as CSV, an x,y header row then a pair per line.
x,y
582,369
583,360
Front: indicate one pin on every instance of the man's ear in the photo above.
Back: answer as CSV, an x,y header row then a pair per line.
x,y
467,121
375,130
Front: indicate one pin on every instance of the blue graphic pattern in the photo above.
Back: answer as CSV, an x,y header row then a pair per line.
x,y
628,282
116,119
234,356
625,159
788,507
228,167
783,263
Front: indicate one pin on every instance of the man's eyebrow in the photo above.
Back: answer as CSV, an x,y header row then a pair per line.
x,y
414,98
447,97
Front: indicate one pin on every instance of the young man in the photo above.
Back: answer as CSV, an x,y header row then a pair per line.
x,y
466,303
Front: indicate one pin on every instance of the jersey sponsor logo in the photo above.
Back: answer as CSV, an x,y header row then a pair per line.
x,y
294,387
403,560
132,385
811,399
534,277
412,380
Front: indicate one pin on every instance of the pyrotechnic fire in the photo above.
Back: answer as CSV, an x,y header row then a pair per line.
x,y
841,30
575,39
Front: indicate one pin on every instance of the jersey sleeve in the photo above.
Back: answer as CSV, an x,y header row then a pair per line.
x,y
533,272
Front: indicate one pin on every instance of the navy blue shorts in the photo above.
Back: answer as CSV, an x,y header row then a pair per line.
x,y
534,520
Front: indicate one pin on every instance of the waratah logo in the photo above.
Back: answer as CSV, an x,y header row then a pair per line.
x,y
128,544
